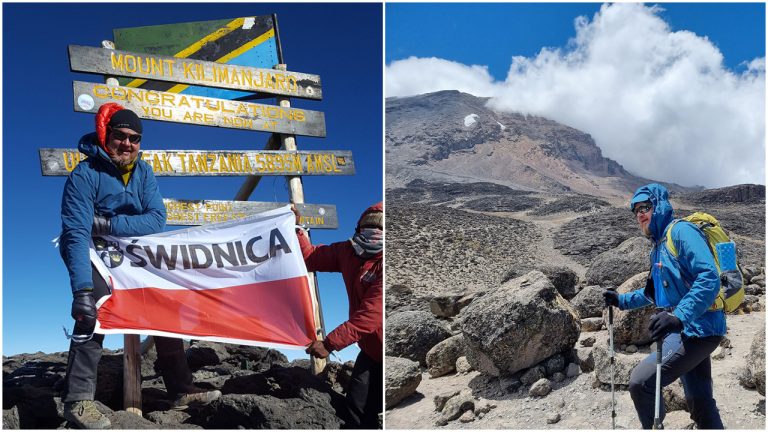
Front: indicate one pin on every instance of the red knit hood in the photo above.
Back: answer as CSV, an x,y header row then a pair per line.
x,y
103,116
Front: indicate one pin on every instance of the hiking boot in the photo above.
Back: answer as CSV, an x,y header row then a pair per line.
x,y
200,398
85,415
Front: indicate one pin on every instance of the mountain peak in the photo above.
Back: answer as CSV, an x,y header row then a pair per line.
x,y
453,136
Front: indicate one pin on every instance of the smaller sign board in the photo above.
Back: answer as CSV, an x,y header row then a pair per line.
x,y
180,108
202,212
60,162
196,72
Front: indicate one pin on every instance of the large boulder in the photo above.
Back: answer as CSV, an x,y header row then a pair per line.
x,y
630,327
589,302
615,266
441,359
512,328
400,380
411,334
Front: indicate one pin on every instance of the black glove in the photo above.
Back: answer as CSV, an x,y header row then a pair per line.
x,y
663,323
84,308
101,226
611,298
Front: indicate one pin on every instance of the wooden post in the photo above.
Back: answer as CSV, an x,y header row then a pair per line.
x,y
252,181
132,374
131,343
288,142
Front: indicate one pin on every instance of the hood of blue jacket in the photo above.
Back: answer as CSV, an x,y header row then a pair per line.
x,y
89,146
662,209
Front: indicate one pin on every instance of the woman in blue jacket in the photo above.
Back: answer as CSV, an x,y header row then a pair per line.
x,y
685,288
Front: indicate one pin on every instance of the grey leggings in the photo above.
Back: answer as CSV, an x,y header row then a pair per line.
x,y
686,358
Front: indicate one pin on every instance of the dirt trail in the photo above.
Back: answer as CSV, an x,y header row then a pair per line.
x,y
580,406
546,226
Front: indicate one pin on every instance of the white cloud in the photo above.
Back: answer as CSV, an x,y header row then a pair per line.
x,y
425,75
659,102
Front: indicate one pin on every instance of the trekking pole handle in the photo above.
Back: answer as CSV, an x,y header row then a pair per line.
x,y
610,308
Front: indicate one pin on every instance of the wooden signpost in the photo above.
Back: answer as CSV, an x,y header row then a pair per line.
x,y
189,73
60,162
203,212
199,110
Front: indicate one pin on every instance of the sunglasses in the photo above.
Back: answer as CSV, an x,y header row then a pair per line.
x,y
121,136
642,208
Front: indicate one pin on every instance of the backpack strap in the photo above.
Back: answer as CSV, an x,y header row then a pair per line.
x,y
670,244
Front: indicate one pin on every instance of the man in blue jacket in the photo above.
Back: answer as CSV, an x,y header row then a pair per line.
x,y
686,288
113,192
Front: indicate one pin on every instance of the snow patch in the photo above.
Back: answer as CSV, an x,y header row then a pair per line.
x,y
501,126
470,120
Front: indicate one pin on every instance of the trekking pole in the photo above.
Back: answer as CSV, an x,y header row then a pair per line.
x,y
613,364
657,408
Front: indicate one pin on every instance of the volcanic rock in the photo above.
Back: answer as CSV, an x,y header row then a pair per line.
x,y
589,302
510,328
631,326
624,364
441,359
411,334
754,373
617,265
447,306
233,411
401,379
540,388
591,324
457,405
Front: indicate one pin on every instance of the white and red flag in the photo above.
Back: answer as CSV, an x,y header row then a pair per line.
x,y
241,282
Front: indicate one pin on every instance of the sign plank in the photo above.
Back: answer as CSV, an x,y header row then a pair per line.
x,y
202,212
179,108
197,72
60,162
245,41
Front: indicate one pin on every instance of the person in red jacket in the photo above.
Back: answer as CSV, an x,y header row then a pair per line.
x,y
360,261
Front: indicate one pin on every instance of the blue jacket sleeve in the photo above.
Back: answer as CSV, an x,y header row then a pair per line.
x,y
696,260
76,221
152,220
633,300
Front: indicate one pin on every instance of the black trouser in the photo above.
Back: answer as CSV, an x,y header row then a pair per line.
x,y
364,393
686,358
80,381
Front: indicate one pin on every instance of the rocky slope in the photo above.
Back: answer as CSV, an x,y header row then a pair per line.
x,y
453,136
261,390
531,264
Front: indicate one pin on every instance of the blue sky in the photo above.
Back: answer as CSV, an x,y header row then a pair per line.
x,y
658,88
341,43
490,34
